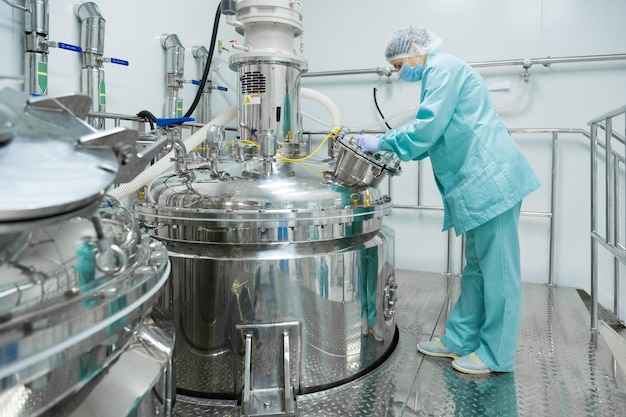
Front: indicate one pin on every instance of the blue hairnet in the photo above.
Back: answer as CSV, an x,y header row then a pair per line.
x,y
399,43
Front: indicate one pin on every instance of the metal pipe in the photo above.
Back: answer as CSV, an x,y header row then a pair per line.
x,y
616,264
175,69
36,29
608,115
553,189
594,249
546,62
203,114
378,71
92,43
449,253
610,179
525,62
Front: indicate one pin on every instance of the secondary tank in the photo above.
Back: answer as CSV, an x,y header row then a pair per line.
x,y
78,281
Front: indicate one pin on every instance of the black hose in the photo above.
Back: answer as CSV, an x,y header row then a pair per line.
x,y
378,108
205,75
149,117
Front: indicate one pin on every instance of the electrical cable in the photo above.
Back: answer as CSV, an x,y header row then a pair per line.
x,y
205,75
378,108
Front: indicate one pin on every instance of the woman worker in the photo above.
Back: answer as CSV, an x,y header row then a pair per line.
x,y
482,177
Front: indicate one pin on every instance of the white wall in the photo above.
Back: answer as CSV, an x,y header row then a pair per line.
x,y
351,34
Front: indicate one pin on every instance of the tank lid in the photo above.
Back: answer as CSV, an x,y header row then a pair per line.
x,y
296,205
44,171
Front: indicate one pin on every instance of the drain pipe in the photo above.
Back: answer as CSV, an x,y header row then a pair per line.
x,y
36,44
203,114
36,28
175,68
92,42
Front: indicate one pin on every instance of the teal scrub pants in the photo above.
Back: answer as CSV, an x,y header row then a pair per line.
x,y
486,317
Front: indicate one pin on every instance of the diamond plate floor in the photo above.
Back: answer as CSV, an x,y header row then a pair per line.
x,y
561,369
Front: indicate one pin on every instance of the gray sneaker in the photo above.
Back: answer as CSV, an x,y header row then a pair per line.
x,y
435,348
377,332
364,328
470,364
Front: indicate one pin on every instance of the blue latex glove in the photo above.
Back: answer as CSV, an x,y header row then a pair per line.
x,y
369,143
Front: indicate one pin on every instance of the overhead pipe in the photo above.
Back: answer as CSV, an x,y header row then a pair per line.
x,y
524,62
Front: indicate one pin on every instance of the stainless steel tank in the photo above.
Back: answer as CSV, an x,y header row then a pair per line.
x,y
282,276
78,281
256,256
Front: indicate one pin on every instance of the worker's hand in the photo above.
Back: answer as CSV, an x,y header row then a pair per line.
x,y
369,143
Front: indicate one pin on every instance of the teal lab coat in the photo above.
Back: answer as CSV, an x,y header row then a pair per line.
x,y
478,168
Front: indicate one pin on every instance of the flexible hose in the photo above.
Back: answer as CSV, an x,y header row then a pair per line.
x,y
325,101
205,74
147,176
517,99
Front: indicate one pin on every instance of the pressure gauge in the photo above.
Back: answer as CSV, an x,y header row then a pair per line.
x,y
216,137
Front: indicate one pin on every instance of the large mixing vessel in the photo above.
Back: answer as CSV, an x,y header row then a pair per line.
x,y
282,270
257,257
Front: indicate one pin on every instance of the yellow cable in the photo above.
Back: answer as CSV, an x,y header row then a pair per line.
x,y
251,142
333,133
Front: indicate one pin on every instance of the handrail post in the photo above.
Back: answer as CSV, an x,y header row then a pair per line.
x,y
594,249
553,192
610,179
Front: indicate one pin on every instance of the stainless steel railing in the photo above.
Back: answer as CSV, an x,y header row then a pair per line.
x,y
613,172
550,214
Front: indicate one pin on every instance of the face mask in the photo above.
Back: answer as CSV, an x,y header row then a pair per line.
x,y
407,73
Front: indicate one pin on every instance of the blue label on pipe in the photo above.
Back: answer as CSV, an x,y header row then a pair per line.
x,y
69,47
119,61
219,87
195,82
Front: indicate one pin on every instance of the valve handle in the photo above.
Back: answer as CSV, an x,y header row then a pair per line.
x,y
119,61
67,46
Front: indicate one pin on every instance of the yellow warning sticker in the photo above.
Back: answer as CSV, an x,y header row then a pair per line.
x,y
252,99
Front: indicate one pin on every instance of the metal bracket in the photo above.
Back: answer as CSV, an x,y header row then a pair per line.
x,y
122,141
271,368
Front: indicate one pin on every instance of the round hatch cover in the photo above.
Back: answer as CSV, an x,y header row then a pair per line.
x,y
43,170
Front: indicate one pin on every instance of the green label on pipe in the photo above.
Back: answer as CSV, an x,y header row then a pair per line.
x,y
103,95
42,77
179,108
